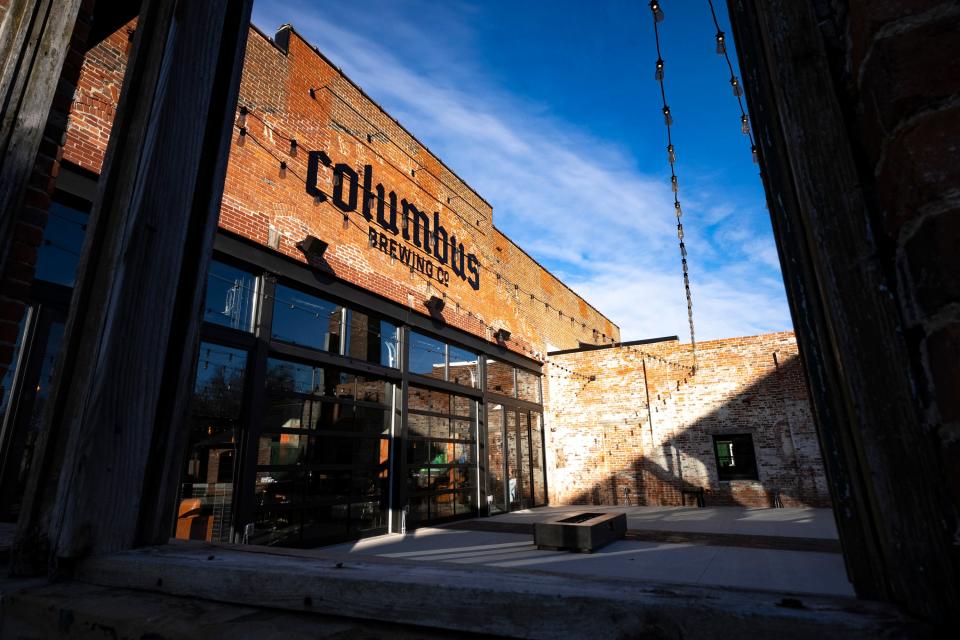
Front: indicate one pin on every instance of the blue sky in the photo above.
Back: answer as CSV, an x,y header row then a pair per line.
x,y
549,109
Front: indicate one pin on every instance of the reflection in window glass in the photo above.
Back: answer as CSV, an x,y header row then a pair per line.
x,y
59,252
306,320
324,455
464,367
10,373
230,296
206,489
500,378
372,339
528,386
539,477
441,456
427,356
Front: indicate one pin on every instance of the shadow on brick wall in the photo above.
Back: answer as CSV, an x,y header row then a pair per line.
x,y
683,460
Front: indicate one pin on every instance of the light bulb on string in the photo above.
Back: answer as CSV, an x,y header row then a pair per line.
x,y
671,156
721,43
753,152
735,83
667,118
744,125
657,11
658,74
242,120
676,207
674,184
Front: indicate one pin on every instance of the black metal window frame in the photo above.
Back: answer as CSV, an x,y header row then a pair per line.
x,y
270,268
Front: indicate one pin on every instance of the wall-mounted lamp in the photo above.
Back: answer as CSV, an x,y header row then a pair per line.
x,y
435,305
313,93
502,335
313,248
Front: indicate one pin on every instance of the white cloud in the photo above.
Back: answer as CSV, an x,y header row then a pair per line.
x,y
575,202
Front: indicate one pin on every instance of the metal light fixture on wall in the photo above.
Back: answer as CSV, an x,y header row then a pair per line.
x,y
313,248
502,335
435,305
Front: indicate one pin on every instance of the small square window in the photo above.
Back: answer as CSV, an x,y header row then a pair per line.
x,y
735,457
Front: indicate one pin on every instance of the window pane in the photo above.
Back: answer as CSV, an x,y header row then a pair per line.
x,y
528,386
426,400
372,339
500,378
218,390
292,377
9,374
230,297
539,478
206,490
59,253
464,367
300,318
427,356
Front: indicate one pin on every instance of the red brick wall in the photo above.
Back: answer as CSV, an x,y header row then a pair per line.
x,y
606,446
269,205
901,74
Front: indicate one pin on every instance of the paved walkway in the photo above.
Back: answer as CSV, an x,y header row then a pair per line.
x,y
801,572
794,523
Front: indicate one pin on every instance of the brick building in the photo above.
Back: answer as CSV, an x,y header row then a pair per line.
x,y
376,354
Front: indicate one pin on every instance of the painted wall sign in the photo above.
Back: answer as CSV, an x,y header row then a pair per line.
x,y
405,233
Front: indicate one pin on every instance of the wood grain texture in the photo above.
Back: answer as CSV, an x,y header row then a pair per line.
x,y
885,477
135,313
34,40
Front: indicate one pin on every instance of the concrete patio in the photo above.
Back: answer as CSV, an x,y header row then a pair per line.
x,y
700,562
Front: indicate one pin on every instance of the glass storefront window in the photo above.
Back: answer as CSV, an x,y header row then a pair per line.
x,y
372,339
428,357
441,456
500,378
230,296
464,367
528,386
206,490
306,320
59,252
324,455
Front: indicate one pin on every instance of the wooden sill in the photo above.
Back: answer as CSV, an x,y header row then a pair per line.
x,y
491,600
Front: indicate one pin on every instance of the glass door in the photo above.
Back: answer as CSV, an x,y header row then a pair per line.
x,y
516,478
496,490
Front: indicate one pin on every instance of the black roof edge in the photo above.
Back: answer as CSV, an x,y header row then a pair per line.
x,y
596,347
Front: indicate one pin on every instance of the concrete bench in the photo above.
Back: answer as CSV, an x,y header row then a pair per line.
x,y
584,532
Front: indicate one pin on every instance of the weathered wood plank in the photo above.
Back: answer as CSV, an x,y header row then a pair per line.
x,y
117,407
888,494
489,600
34,40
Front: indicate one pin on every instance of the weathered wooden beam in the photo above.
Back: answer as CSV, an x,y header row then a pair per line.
x,y
887,493
114,426
493,601
34,41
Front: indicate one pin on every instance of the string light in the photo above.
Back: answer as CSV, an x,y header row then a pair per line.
x,y
657,14
658,74
737,91
735,84
657,11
